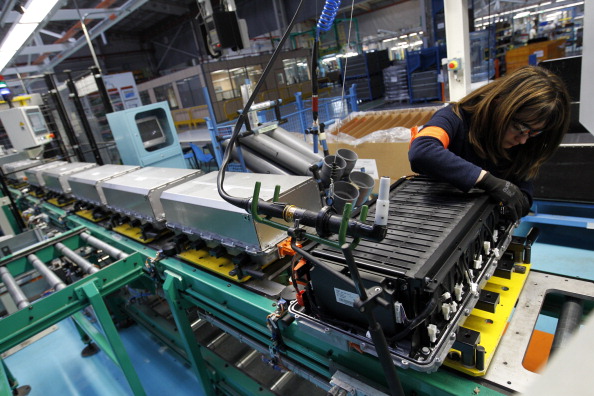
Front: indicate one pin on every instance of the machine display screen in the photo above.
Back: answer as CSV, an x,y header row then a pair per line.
x,y
37,122
150,131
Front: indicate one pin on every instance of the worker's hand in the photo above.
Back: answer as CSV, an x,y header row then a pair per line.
x,y
512,198
525,204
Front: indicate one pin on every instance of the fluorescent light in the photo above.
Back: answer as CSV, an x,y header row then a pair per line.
x,y
561,7
37,11
17,36
21,31
522,15
5,57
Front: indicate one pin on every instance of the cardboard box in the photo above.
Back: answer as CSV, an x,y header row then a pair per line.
x,y
391,158
362,124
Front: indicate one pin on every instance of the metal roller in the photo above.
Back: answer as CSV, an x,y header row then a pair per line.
x,y
286,138
14,290
254,162
78,260
99,244
279,153
569,321
51,278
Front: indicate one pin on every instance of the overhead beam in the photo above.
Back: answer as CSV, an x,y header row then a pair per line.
x,y
6,9
125,10
162,7
64,15
40,49
13,71
75,15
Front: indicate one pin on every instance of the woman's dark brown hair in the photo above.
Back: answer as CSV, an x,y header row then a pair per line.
x,y
532,95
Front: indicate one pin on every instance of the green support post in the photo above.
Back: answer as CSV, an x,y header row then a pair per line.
x,y
84,337
171,286
91,291
7,381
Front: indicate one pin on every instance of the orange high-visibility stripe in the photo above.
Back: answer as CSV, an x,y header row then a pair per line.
x,y
432,131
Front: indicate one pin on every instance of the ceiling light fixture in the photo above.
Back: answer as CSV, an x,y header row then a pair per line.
x,y
21,31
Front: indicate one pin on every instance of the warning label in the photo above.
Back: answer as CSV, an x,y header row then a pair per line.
x,y
345,297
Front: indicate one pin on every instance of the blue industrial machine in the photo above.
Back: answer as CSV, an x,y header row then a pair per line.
x,y
146,136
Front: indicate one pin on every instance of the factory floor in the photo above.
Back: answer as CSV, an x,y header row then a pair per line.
x,y
52,365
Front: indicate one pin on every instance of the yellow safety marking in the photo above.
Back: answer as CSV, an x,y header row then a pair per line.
x,y
54,201
88,214
133,233
492,325
222,265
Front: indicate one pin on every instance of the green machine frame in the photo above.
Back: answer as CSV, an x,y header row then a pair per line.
x,y
229,306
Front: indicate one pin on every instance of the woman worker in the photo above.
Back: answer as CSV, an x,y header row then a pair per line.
x,y
497,137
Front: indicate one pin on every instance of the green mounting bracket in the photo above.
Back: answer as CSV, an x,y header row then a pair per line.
x,y
173,283
110,341
346,215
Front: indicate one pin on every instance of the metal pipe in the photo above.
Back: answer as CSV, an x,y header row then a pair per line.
x,y
254,162
282,381
218,340
569,321
99,244
282,136
51,278
88,267
278,153
14,290
247,359
102,90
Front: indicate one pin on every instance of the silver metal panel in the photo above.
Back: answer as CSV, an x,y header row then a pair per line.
x,y
56,179
138,193
34,175
195,207
16,170
88,185
507,369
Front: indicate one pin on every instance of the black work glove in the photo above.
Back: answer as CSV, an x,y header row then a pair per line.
x,y
513,199
525,204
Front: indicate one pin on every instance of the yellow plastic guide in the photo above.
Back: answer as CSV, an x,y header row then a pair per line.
x,y
54,201
221,265
135,233
492,326
88,214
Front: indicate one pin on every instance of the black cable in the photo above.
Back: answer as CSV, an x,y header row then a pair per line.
x,y
429,308
244,202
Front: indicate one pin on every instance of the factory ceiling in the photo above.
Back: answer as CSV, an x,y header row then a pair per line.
x,y
61,34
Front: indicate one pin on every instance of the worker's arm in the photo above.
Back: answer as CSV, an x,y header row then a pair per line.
x,y
428,156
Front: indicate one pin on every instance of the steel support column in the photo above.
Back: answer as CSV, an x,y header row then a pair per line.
x,y
83,118
458,40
